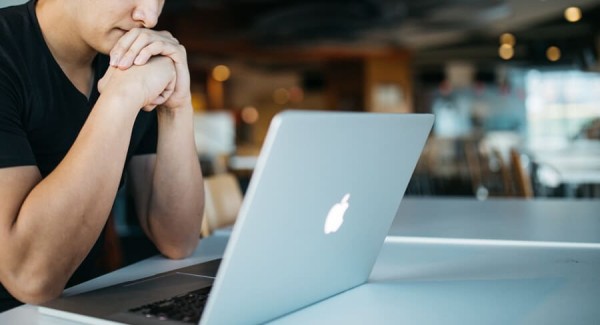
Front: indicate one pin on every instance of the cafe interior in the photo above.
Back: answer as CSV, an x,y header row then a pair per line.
x,y
512,160
514,86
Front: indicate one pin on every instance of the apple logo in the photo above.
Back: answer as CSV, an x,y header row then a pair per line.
x,y
335,217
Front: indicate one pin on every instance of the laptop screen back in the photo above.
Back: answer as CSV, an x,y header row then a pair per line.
x,y
325,190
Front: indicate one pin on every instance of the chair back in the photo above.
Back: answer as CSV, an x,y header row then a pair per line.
x,y
521,176
223,199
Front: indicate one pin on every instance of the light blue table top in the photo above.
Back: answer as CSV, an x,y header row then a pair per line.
x,y
548,221
466,284
450,261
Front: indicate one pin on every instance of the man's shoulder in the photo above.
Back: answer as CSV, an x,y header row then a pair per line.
x,y
15,28
14,20
18,40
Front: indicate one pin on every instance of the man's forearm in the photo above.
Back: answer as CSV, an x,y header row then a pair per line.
x,y
63,215
177,199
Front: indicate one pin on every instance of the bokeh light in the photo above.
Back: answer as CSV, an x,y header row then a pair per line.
x,y
506,52
221,73
249,114
281,96
296,94
573,14
553,53
508,39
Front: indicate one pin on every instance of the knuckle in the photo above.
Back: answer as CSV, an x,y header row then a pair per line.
x,y
144,52
144,37
166,33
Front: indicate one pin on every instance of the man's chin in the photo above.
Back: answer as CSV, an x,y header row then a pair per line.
x,y
111,40
106,47
103,50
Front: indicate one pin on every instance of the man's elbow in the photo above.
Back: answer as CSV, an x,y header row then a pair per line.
x,y
179,251
35,290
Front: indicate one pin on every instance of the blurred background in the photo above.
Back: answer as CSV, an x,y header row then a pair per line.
x,y
514,84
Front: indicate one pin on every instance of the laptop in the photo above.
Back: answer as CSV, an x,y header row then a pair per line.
x,y
325,190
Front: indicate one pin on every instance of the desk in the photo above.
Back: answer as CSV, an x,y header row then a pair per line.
x,y
512,278
416,283
208,249
550,221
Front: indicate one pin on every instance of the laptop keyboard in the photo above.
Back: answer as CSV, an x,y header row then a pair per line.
x,y
184,308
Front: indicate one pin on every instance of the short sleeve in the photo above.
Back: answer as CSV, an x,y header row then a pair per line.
x,y
15,149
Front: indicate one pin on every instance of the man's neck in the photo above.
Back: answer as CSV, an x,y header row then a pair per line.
x,y
68,49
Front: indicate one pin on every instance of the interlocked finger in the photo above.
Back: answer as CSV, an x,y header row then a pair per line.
x,y
133,44
156,48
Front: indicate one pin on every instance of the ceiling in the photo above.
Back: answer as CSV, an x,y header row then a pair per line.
x,y
433,30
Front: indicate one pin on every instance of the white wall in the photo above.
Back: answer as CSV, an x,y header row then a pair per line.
x,y
7,3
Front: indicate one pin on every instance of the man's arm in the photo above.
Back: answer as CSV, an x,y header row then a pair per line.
x,y
48,226
168,188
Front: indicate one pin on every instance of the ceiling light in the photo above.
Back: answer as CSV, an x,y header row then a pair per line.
x,y
573,14
506,52
508,39
553,53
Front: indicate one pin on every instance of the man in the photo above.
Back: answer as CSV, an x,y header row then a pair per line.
x,y
67,138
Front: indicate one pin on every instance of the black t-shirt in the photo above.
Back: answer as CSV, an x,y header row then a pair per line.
x,y
41,111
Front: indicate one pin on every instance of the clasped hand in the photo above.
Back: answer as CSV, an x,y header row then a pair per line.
x,y
139,57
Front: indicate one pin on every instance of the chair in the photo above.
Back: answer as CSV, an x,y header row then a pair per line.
x,y
223,199
505,172
523,187
474,165
495,176
111,256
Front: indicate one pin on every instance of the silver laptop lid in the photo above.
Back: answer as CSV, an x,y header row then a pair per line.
x,y
281,255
